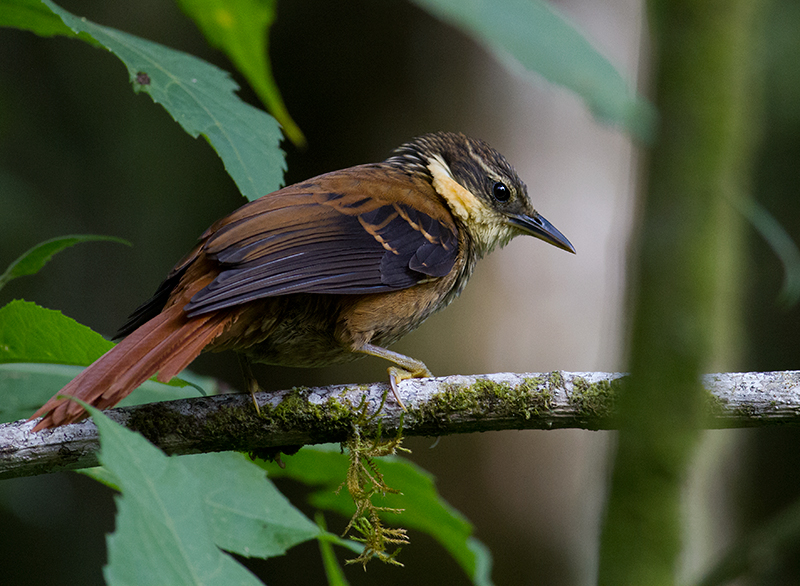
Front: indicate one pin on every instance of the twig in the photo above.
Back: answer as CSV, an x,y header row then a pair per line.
x,y
440,406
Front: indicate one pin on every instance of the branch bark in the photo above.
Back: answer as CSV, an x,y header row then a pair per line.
x,y
438,406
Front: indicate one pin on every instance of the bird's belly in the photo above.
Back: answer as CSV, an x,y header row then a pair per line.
x,y
305,346
290,330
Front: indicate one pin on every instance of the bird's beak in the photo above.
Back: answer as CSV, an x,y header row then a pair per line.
x,y
540,228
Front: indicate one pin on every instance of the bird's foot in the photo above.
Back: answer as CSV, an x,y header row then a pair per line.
x,y
250,380
255,402
405,367
397,374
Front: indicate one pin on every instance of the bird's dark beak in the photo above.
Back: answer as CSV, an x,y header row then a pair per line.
x,y
540,228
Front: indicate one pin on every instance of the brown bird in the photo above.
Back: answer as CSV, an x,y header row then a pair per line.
x,y
324,271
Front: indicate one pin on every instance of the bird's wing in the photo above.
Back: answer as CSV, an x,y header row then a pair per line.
x,y
368,229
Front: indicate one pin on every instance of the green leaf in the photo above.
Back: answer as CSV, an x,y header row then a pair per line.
x,y
483,562
41,350
32,15
201,98
541,40
240,28
34,259
25,387
102,475
30,333
246,513
424,511
162,534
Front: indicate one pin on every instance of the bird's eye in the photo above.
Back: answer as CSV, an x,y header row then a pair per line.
x,y
501,192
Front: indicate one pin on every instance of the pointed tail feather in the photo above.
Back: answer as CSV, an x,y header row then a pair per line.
x,y
165,345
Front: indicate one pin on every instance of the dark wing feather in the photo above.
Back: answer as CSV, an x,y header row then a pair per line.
x,y
153,306
341,233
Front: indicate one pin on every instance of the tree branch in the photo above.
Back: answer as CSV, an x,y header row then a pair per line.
x,y
440,406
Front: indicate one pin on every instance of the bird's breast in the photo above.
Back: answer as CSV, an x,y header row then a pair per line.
x,y
384,318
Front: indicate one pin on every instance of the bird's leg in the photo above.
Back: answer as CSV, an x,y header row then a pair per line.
x,y
250,380
408,367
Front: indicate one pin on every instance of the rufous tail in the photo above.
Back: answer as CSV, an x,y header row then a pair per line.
x,y
165,345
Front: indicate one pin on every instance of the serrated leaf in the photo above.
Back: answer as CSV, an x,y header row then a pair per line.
x,y
35,258
247,514
25,387
41,350
201,98
162,535
240,28
541,40
30,333
424,511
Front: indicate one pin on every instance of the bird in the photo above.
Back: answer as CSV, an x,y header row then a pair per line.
x,y
324,271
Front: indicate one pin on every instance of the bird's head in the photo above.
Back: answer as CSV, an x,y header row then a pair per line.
x,y
480,187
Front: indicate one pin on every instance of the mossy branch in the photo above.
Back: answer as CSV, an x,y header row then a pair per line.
x,y
440,406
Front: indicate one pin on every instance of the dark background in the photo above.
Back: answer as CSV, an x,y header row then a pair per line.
x,y
81,153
